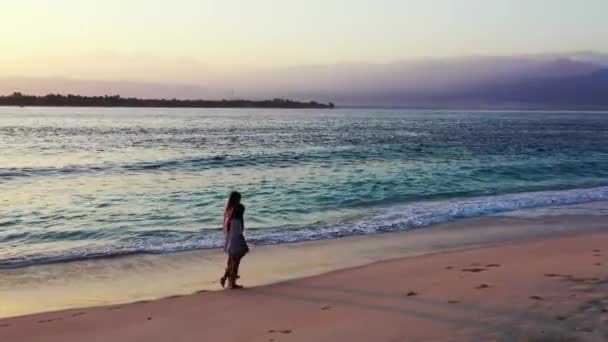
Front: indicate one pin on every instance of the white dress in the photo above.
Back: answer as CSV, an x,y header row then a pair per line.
x,y
236,240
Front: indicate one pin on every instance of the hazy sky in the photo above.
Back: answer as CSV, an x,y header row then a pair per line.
x,y
183,40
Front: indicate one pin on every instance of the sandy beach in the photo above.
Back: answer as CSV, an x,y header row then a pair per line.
x,y
519,291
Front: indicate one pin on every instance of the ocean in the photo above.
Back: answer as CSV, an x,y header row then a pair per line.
x,y
81,183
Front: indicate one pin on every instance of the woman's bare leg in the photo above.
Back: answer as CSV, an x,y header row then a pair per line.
x,y
234,272
226,272
237,266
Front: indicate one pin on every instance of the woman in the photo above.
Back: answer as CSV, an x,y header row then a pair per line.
x,y
234,244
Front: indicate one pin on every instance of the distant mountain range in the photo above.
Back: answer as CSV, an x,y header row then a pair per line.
x,y
588,91
490,83
576,80
577,91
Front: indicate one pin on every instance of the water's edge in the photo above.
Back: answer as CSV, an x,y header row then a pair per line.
x,y
147,277
378,220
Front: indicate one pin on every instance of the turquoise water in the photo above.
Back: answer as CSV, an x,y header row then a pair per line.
x,y
80,183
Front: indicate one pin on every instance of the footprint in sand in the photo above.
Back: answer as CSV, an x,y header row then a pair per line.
x,y
449,267
482,286
536,297
49,320
285,331
149,318
326,308
78,314
473,270
411,294
4,325
581,280
556,275
493,265
453,301
114,308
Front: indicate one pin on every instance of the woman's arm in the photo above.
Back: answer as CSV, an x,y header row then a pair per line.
x,y
227,222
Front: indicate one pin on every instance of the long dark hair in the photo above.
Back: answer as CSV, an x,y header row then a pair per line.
x,y
233,200
239,211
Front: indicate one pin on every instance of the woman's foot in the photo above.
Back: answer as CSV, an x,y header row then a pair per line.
x,y
236,287
223,280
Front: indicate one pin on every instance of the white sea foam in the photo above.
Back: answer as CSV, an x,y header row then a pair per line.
x,y
401,217
421,214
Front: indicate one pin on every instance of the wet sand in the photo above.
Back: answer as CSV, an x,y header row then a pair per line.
x,y
517,291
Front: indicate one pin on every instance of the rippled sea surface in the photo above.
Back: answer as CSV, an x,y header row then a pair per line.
x,y
81,183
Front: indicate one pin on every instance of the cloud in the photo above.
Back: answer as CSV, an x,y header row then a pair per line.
x,y
404,82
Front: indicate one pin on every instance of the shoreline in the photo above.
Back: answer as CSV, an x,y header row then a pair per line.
x,y
469,294
406,217
130,279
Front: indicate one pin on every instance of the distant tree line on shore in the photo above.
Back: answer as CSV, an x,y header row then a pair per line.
x,y
56,100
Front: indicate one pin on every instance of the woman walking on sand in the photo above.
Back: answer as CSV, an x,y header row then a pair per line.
x,y
234,244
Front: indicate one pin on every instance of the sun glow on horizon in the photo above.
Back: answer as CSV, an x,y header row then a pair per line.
x,y
188,40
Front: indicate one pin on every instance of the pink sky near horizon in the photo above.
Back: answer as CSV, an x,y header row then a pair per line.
x,y
191,41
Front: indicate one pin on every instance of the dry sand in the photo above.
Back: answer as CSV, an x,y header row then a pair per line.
x,y
524,291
